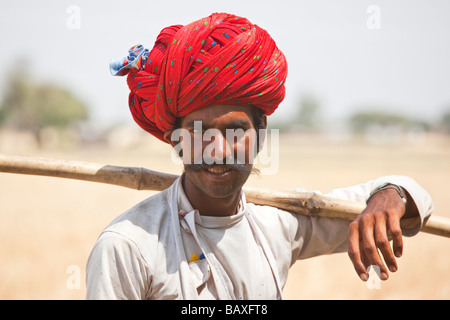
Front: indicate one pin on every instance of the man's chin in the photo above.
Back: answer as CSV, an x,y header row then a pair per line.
x,y
217,183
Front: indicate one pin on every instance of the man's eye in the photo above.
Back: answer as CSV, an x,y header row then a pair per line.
x,y
196,131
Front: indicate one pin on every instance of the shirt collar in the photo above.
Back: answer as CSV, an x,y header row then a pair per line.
x,y
185,207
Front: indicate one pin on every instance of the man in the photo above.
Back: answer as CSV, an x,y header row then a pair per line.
x,y
200,239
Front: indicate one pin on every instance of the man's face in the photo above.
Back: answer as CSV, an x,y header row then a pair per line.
x,y
218,147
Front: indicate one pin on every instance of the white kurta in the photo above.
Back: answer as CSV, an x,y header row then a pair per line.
x,y
153,252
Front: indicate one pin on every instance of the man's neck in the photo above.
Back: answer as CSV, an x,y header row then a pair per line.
x,y
207,206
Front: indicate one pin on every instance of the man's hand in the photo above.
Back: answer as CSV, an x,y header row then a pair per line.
x,y
369,232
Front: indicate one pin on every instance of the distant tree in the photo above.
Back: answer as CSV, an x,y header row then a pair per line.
x,y
363,120
31,106
304,119
360,121
308,113
445,122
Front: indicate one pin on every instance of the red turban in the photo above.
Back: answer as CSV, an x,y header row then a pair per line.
x,y
220,59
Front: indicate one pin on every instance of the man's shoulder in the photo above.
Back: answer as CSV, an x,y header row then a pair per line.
x,y
142,230
271,217
144,219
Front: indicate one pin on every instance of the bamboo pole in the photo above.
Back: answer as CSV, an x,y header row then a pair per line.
x,y
130,177
139,178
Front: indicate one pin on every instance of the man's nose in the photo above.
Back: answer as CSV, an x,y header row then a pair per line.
x,y
221,148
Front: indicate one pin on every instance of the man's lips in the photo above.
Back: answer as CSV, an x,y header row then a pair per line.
x,y
218,170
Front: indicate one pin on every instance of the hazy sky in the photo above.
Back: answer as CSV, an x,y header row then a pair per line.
x,y
401,61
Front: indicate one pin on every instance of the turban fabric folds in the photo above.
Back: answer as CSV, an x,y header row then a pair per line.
x,y
220,59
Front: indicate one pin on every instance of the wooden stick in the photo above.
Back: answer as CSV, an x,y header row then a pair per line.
x,y
129,177
143,179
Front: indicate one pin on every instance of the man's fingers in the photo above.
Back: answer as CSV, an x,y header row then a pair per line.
x,y
396,234
368,236
368,244
382,243
354,251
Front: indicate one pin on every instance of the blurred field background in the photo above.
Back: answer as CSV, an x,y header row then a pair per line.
x,y
367,95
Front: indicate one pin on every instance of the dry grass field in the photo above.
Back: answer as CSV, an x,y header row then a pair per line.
x,y
48,225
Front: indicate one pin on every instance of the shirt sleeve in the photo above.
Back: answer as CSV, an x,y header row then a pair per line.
x,y
320,235
115,271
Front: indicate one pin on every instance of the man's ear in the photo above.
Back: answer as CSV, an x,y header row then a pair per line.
x,y
261,135
168,136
